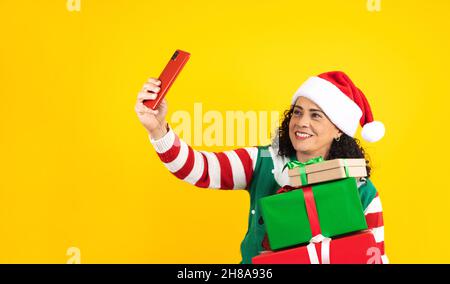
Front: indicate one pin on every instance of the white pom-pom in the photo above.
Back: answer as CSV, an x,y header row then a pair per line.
x,y
373,131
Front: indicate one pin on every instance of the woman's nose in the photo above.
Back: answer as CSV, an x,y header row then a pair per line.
x,y
303,121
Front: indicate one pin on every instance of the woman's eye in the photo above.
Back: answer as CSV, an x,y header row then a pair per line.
x,y
296,112
316,115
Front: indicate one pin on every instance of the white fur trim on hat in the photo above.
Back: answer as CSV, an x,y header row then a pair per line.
x,y
373,131
339,108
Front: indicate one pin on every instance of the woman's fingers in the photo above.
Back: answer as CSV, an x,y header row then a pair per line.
x,y
149,92
152,85
154,81
143,96
141,109
149,87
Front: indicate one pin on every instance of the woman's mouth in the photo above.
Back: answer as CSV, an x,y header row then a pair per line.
x,y
302,135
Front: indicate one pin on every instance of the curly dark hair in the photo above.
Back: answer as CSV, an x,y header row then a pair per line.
x,y
346,147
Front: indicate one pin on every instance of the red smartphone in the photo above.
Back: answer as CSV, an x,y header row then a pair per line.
x,y
168,76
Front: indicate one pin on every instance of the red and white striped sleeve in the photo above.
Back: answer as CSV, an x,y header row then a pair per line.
x,y
223,170
374,219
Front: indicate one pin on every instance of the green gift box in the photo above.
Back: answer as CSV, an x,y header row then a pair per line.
x,y
332,208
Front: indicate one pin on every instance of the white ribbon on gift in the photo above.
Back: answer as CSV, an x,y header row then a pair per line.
x,y
325,251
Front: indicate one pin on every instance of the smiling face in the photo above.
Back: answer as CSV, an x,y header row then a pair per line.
x,y
310,130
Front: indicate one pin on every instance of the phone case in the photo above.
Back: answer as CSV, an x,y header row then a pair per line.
x,y
168,76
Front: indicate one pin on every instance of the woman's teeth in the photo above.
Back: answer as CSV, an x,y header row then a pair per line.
x,y
302,135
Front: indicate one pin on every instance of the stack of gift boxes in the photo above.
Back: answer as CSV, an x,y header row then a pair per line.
x,y
319,219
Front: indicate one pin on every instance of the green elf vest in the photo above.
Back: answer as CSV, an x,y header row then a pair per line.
x,y
264,183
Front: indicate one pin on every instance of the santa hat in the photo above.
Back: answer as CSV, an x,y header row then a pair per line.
x,y
343,103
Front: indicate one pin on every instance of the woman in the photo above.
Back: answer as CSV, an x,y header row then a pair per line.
x,y
322,121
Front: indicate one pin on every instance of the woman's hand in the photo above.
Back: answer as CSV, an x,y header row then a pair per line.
x,y
154,121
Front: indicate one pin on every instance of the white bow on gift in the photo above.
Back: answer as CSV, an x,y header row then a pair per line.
x,y
325,251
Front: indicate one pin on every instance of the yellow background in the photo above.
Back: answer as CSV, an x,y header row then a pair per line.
x,y
77,169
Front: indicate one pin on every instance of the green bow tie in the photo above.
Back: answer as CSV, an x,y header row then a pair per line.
x,y
294,164
301,166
